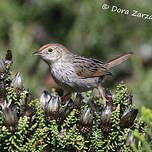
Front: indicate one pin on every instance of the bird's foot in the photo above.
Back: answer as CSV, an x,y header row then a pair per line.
x,y
102,95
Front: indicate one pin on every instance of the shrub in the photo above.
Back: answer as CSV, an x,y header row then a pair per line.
x,y
80,124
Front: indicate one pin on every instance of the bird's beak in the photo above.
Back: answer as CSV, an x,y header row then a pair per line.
x,y
36,53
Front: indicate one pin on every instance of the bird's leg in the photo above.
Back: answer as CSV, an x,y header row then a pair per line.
x,y
66,96
102,94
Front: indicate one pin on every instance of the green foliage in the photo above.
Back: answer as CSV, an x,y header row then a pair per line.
x,y
116,138
26,125
144,136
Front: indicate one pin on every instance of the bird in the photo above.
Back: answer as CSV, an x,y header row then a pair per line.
x,y
74,73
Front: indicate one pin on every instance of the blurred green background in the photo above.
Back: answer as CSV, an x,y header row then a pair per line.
x,y
84,27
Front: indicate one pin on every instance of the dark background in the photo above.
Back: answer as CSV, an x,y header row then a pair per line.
x,y
86,29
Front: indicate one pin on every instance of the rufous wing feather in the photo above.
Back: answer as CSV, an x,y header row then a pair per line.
x,y
89,68
91,73
101,72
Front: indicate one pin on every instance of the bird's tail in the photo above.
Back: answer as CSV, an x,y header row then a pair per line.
x,y
118,60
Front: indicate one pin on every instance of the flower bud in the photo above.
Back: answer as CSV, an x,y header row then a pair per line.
x,y
17,82
106,121
87,117
53,104
2,66
44,99
128,118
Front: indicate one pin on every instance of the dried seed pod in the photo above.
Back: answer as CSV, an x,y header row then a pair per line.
x,y
2,66
8,57
86,121
9,115
44,99
78,102
53,104
87,117
5,104
106,121
17,82
25,109
23,106
128,118
93,105
63,112
23,102
68,108
10,118
131,139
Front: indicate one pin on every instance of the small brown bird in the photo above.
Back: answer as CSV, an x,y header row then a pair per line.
x,y
74,73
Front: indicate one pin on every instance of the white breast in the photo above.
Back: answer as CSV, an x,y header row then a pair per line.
x,y
66,78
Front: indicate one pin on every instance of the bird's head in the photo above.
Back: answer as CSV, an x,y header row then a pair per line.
x,y
51,52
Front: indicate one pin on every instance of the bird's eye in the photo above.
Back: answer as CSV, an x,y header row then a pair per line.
x,y
50,50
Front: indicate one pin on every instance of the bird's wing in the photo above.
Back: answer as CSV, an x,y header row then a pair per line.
x,y
89,68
